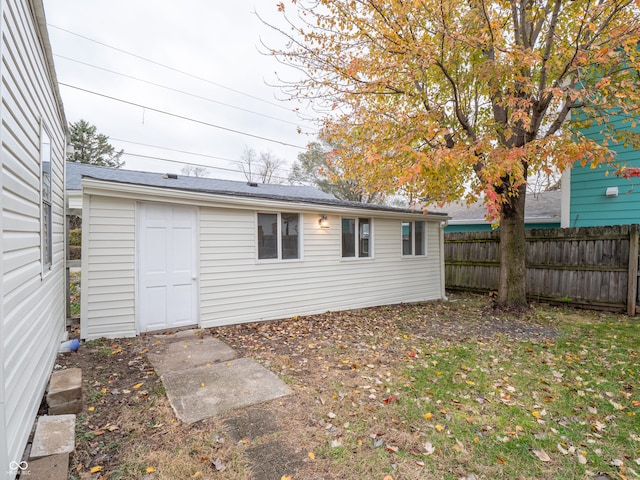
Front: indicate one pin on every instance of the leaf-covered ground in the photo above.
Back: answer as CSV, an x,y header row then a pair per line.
x,y
439,390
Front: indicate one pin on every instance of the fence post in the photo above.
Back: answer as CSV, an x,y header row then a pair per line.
x,y
632,281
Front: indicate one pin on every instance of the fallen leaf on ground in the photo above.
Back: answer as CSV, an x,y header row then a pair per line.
x,y
428,448
542,455
219,465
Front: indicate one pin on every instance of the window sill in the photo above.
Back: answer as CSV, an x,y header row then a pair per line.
x,y
271,261
357,259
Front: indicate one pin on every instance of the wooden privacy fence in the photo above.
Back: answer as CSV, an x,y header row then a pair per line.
x,y
594,267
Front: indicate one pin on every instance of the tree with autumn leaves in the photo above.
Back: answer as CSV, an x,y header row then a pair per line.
x,y
466,99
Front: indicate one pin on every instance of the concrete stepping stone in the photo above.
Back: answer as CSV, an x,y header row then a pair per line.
x,y
54,467
208,391
184,354
55,434
64,394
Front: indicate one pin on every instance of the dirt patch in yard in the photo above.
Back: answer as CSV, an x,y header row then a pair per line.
x,y
340,366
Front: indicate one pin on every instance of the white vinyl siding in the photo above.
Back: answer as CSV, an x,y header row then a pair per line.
x,y
32,310
234,285
235,289
108,267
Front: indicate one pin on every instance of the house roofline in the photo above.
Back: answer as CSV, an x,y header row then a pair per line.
x,y
41,22
93,186
475,221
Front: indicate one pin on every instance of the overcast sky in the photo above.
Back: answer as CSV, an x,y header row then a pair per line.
x,y
217,42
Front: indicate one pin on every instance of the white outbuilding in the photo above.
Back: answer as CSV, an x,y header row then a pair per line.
x,y
167,251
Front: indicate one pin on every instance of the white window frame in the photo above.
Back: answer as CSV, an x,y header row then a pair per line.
x,y
413,238
357,239
278,257
46,223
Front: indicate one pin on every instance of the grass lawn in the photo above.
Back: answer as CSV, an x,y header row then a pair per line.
x,y
435,391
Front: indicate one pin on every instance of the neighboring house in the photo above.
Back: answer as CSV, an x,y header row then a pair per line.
x,y
165,251
33,138
542,210
596,196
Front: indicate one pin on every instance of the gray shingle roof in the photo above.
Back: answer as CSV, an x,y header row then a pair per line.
x,y
542,205
75,172
300,193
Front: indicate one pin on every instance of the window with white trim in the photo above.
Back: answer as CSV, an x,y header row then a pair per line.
x,y
278,236
46,222
356,238
414,238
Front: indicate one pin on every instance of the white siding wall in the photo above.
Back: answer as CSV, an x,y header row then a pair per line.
x,y
108,267
33,303
235,287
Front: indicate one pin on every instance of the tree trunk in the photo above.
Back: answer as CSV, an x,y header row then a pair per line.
x,y
512,288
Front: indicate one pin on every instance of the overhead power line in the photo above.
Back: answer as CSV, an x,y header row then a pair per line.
x,y
183,117
169,160
169,67
199,97
173,149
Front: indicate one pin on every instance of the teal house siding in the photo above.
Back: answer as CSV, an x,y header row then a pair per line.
x,y
589,205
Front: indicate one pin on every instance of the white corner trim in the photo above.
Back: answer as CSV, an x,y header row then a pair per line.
x,y
565,199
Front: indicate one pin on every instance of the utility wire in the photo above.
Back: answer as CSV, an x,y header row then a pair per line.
x,y
230,160
173,149
182,72
182,117
174,89
169,160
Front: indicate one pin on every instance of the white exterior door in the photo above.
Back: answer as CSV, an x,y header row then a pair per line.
x,y
167,268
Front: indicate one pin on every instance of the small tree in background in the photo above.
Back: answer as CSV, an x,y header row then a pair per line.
x,y
263,168
92,147
314,167
194,171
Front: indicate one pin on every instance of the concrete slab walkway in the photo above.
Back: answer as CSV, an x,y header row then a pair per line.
x,y
203,378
